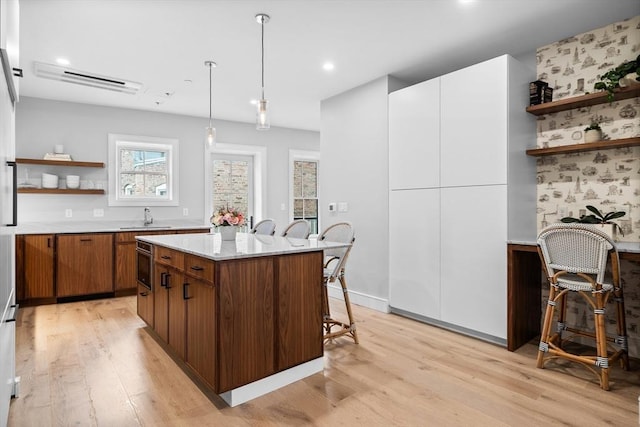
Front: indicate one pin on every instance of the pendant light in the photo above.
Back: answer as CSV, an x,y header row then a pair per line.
x,y
210,132
262,118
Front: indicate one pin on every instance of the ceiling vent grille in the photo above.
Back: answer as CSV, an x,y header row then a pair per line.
x,y
69,75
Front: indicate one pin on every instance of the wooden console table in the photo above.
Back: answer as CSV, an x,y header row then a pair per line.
x,y
524,290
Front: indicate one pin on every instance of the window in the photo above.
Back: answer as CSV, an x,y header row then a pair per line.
x,y
233,182
143,171
304,187
231,162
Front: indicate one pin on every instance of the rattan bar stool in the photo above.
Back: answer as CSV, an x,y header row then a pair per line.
x,y
298,229
266,227
574,257
334,268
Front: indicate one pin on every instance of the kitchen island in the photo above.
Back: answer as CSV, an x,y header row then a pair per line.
x,y
245,315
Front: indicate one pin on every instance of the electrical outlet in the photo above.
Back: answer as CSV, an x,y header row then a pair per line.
x,y
185,212
98,212
68,213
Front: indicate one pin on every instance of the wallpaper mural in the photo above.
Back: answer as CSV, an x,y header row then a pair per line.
x,y
607,179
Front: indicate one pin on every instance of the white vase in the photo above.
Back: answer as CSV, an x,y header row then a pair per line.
x,y
629,80
593,135
607,229
228,232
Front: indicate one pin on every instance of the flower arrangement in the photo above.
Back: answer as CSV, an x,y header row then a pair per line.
x,y
227,216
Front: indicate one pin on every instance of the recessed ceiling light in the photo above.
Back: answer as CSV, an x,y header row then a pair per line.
x,y
328,66
62,61
465,2
253,102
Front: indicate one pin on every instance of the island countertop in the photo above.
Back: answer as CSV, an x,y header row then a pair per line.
x,y
245,246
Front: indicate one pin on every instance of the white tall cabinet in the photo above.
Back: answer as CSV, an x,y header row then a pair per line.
x,y
457,169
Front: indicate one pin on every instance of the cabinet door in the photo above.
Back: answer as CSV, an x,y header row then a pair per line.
x,y
39,266
414,136
414,251
474,258
473,144
160,302
85,264
299,291
246,332
145,304
125,266
201,329
177,312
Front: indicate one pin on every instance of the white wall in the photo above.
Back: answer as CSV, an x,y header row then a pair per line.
x,y
83,130
354,169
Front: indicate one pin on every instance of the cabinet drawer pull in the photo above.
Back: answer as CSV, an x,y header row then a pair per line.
x,y
196,268
185,291
144,294
165,257
86,240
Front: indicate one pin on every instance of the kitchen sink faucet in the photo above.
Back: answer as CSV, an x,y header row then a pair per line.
x,y
148,219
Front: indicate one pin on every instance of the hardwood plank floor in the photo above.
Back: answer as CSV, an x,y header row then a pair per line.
x,y
93,363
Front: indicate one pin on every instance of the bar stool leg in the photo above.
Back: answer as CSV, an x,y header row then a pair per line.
x,y
602,358
546,327
352,325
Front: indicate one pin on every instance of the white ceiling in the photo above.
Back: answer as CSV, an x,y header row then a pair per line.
x,y
162,43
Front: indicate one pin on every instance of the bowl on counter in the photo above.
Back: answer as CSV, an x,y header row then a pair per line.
x,y
49,180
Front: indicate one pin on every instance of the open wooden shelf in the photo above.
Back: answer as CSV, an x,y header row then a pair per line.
x,y
59,191
59,163
590,146
583,101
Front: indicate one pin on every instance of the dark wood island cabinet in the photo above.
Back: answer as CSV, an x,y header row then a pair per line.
x,y
242,315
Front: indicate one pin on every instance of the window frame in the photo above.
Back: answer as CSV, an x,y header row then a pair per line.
x,y
304,156
143,143
259,154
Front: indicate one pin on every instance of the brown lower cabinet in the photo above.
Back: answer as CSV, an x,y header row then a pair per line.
x,y
84,264
201,326
51,266
37,280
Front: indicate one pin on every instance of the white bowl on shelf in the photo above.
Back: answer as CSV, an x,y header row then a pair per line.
x,y
49,180
73,181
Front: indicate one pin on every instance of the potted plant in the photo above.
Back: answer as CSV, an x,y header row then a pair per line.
x,y
619,76
597,217
593,133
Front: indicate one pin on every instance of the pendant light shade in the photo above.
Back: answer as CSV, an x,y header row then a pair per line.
x,y
210,131
262,117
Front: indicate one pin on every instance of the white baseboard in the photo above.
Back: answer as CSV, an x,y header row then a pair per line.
x,y
358,298
258,388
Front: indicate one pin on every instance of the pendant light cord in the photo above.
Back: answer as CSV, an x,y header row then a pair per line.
x,y
210,66
262,26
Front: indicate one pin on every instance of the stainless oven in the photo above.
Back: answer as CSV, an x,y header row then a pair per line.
x,y
144,257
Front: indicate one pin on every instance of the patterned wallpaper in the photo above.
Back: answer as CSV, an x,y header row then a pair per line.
x,y
607,179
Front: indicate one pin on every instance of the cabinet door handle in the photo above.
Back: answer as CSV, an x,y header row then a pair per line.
x,y
14,191
196,268
163,279
48,242
167,282
185,291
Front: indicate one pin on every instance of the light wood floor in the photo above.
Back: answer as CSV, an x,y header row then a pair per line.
x,y
94,364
